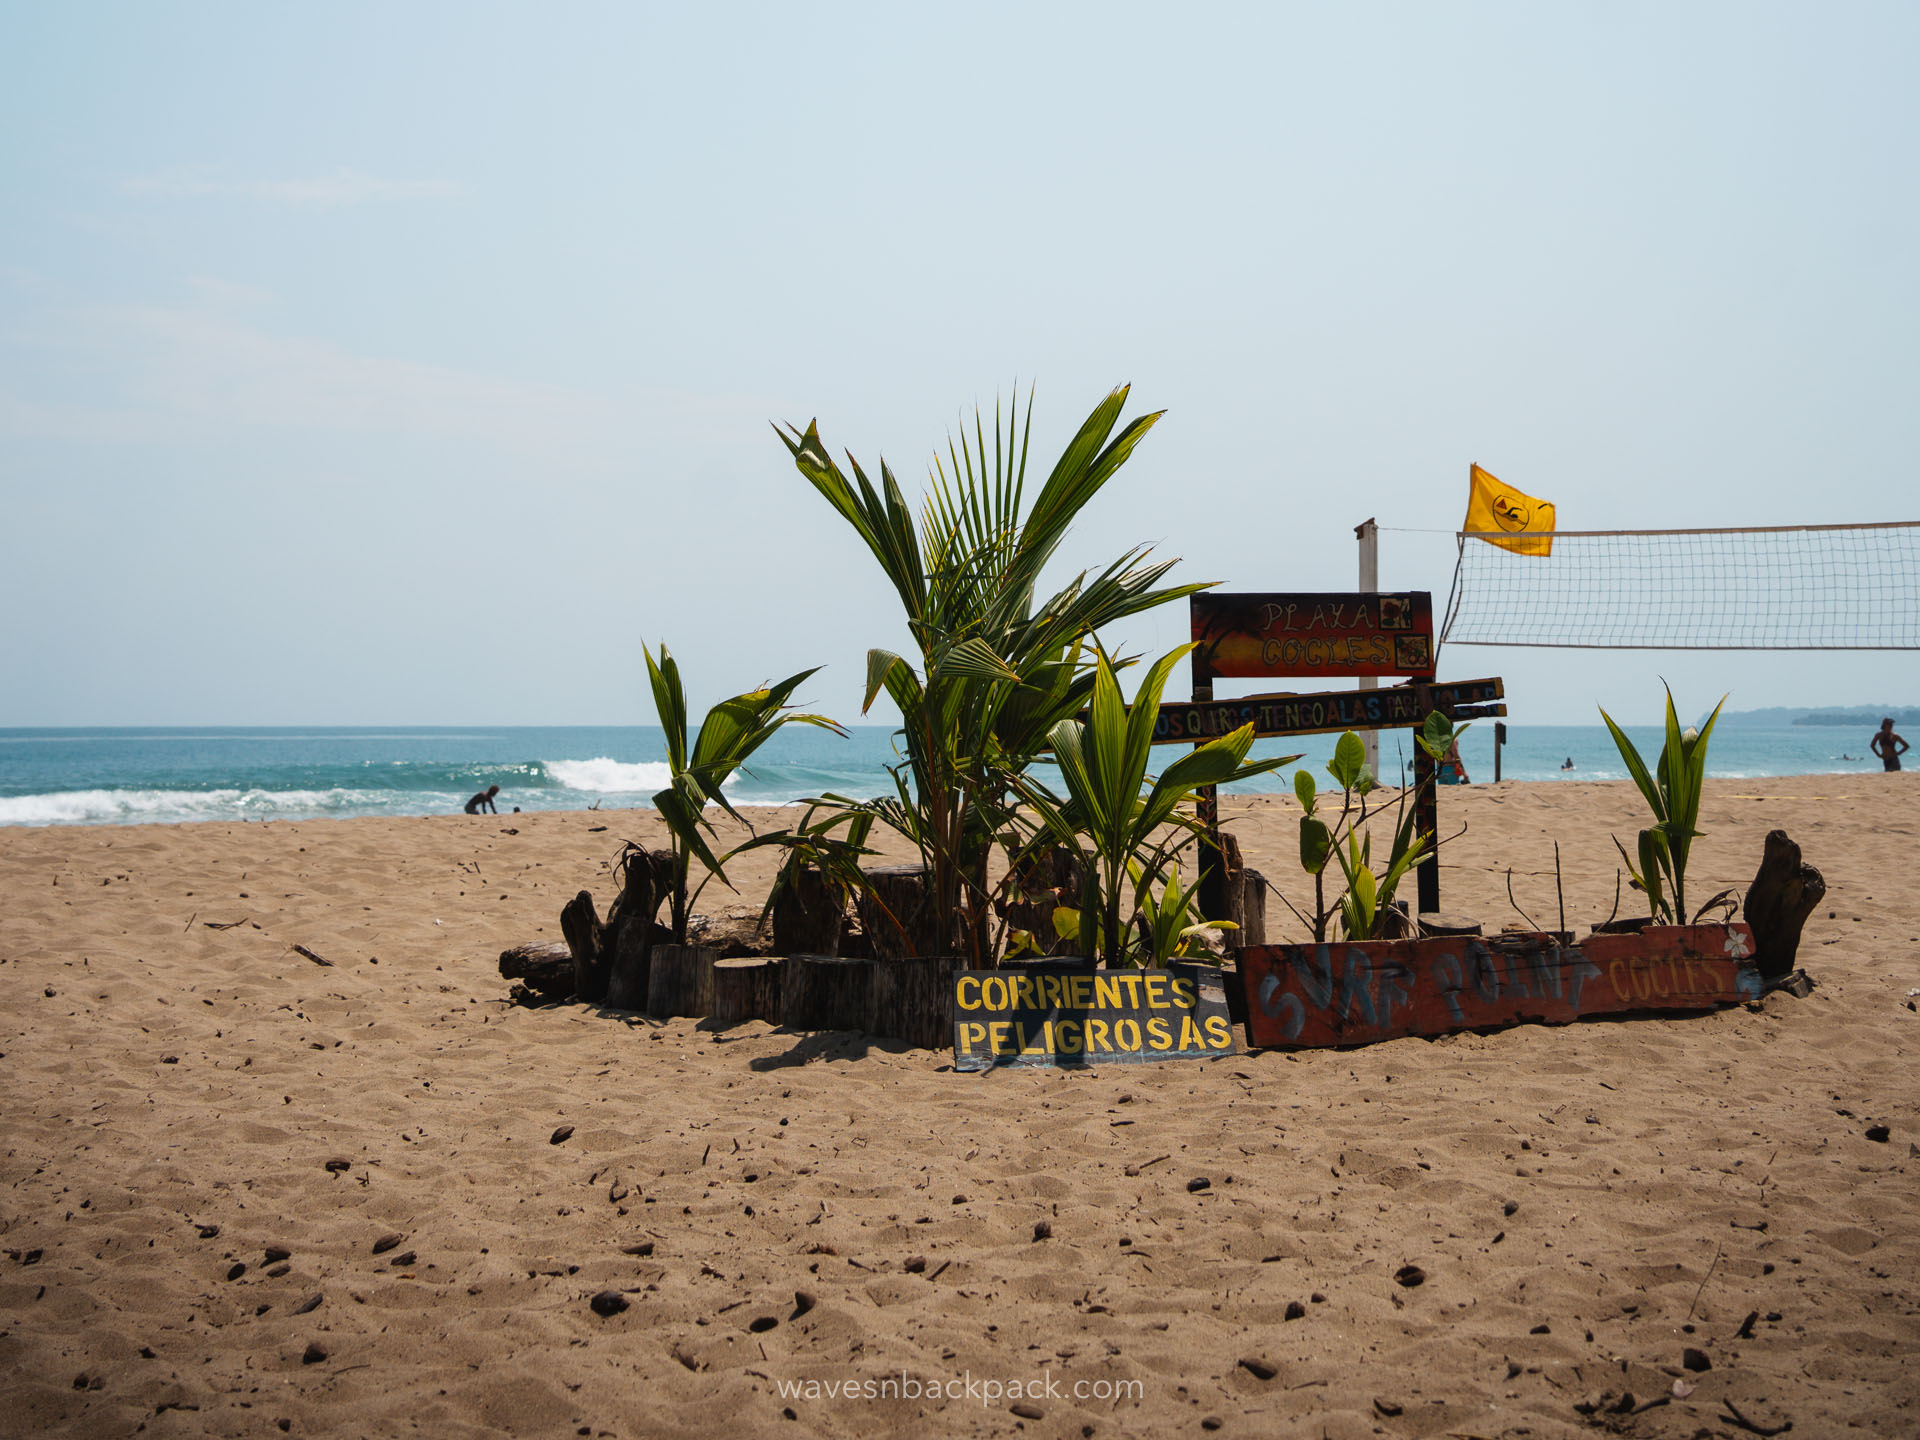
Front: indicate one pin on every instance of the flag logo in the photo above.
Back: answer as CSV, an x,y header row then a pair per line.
x,y
1493,505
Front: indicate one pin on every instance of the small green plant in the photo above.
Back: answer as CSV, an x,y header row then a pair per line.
x,y
1672,790
1124,826
732,731
1168,925
1365,903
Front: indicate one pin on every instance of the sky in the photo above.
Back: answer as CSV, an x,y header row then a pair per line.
x,y
373,364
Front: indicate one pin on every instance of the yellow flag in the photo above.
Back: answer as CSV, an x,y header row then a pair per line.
x,y
1494,505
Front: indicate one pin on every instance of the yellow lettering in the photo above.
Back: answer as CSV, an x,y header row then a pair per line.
x,y
1132,982
1190,1034
1219,1033
1082,987
1066,1035
1620,978
972,1032
993,992
1053,986
1097,1035
1158,1035
968,984
1023,996
1156,991
1183,995
1000,1037
1126,1035
1107,990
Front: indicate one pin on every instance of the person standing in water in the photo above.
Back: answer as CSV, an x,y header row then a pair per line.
x,y
1887,745
484,801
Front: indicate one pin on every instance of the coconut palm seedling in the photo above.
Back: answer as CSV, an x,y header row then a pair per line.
x,y
1125,826
1672,790
1365,903
731,732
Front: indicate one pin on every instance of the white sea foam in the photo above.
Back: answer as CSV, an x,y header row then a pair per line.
x,y
611,777
110,807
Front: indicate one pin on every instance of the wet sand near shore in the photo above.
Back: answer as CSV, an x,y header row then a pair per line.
x,y
209,1137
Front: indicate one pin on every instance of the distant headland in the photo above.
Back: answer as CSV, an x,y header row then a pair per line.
x,y
1840,715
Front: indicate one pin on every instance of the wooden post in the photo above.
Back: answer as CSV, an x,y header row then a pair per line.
x,y
1499,743
1206,807
911,999
826,992
680,980
630,954
1426,816
747,988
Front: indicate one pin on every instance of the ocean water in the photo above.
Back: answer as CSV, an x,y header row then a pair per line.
x,y
145,776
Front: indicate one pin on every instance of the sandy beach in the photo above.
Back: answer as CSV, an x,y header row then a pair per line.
x,y
209,1137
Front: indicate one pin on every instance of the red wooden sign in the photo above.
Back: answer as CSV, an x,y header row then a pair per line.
x,y
1347,994
1314,636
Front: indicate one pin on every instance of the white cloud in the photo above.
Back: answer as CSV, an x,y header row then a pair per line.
x,y
327,192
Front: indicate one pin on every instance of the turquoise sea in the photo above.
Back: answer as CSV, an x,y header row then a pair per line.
x,y
143,776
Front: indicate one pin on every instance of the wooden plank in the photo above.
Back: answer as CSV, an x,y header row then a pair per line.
x,y
1314,635
1347,994
1324,712
1077,1016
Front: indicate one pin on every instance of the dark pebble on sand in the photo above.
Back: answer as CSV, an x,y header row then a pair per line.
x,y
208,1232
277,1253
645,1247
959,1199
339,1167
1198,1183
400,1262
915,1265
1879,1133
312,1302
315,1353
388,1241
563,1133
1211,1422
1541,1330
760,1324
1510,1207
1693,1359
1295,1310
1410,1275
1388,1408
608,1302
1026,1411
1258,1368
803,1301
1317,1298
277,1271
236,1270
1043,1229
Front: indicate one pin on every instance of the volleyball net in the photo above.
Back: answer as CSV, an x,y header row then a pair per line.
x,y
1798,587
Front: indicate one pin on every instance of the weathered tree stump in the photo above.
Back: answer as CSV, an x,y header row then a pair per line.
x,y
680,980
1253,911
826,992
894,915
580,923
912,1000
646,879
1045,882
1783,894
629,948
545,968
747,988
808,916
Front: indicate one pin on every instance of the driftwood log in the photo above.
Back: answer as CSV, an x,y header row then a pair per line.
x,y
1783,894
1243,897
747,988
893,911
680,980
546,968
629,946
580,923
808,917
826,992
912,1000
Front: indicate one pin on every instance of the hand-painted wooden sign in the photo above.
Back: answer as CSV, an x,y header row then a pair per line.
x,y
1313,635
1346,994
1396,707
1058,1016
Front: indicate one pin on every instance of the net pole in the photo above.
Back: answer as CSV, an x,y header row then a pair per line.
x,y
1368,534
